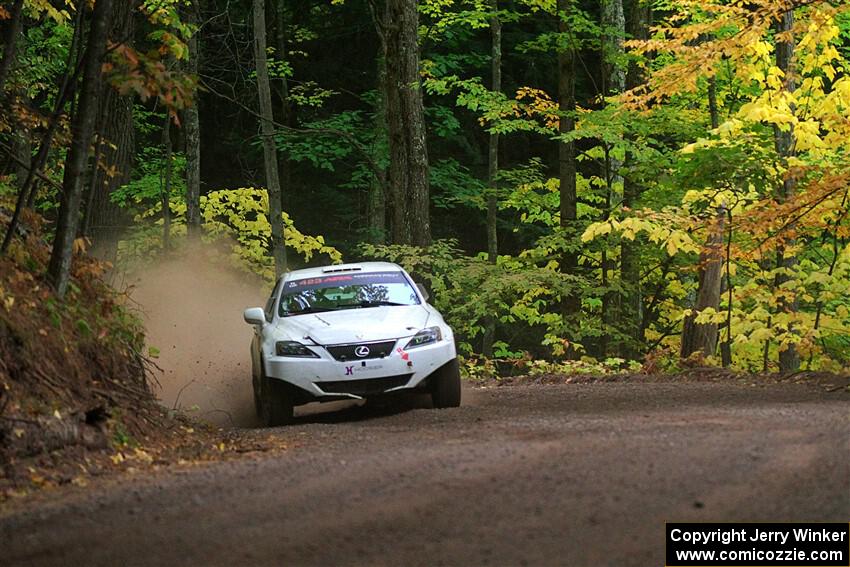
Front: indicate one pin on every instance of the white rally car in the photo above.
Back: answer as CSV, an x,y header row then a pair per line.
x,y
349,331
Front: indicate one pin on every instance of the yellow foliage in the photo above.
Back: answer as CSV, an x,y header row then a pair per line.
x,y
659,232
38,7
241,215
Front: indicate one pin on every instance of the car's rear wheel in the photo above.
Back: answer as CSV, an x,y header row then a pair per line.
x,y
275,403
445,385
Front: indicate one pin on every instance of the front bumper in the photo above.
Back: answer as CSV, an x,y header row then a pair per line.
x,y
327,377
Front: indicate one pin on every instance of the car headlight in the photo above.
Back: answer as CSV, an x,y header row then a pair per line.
x,y
293,348
425,337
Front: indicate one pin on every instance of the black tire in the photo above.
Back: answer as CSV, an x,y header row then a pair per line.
x,y
255,383
445,386
276,407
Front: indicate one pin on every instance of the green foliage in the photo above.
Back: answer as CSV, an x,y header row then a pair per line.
x,y
467,289
278,68
652,175
42,57
329,141
310,94
736,171
482,369
453,184
149,183
170,32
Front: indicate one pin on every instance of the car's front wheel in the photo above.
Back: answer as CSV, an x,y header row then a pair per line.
x,y
275,405
445,385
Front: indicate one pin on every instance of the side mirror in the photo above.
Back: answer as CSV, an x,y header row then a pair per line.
x,y
255,316
423,291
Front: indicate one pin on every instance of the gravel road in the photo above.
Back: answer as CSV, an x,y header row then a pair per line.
x,y
533,475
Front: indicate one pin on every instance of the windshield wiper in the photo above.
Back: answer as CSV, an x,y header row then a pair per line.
x,y
364,303
381,303
308,310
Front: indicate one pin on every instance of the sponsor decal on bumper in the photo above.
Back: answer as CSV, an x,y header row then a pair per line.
x,y
356,368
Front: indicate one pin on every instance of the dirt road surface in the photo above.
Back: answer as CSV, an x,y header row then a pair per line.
x,y
540,475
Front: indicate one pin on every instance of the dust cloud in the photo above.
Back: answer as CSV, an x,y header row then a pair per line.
x,y
192,305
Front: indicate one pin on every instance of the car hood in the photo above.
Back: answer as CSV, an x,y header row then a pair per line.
x,y
356,325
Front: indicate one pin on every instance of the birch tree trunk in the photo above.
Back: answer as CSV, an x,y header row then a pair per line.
x,y
267,131
82,128
614,29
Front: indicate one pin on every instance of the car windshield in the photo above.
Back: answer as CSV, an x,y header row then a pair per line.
x,y
346,291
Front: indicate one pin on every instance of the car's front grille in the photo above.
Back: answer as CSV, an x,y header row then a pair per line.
x,y
364,387
361,351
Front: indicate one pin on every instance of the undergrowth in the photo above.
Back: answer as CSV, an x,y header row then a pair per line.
x,y
68,367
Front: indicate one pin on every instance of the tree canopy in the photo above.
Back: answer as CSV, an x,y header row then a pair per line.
x,y
578,182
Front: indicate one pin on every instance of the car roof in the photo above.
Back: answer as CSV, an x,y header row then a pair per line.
x,y
340,269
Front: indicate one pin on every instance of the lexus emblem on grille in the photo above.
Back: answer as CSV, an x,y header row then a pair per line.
x,y
362,351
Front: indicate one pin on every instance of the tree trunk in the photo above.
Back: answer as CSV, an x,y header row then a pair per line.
x,y
712,102
377,210
566,155
287,116
614,81
493,168
98,150
108,219
493,149
82,127
267,131
789,358
22,149
631,302
726,345
165,187
193,136
11,42
408,170
614,29
702,337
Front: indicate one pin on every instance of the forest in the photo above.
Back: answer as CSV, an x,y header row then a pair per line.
x,y
584,186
